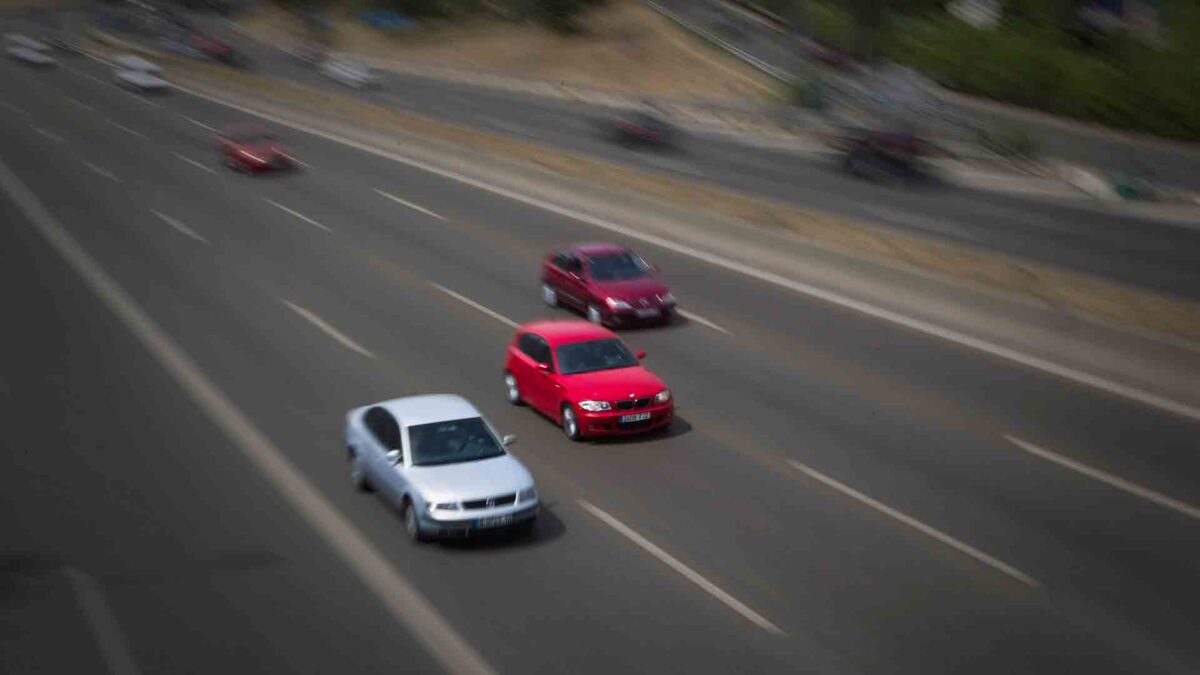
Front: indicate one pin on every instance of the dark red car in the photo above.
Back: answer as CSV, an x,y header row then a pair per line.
x,y
584,378
252,148
609,283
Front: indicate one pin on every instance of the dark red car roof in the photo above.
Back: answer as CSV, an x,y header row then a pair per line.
x,y
599,248
563,331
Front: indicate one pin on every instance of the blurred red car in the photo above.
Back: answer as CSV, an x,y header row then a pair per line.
x,y
609,283
584,378
252,148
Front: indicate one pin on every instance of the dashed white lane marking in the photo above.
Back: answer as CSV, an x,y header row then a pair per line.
x,y
701,320
405,202
687,572
874,311
52,136
198,123
103,623
126,129
15,108
329,330
399,596
301,216
918,525
76,102
1109,479
179,227
101,171
194,163
467,301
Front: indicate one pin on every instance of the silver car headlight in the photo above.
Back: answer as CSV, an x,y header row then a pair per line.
x,y
595,406
443,506
617,304
662,396
527,495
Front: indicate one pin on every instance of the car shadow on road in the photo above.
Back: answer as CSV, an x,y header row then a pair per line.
x,y
549,527
678,428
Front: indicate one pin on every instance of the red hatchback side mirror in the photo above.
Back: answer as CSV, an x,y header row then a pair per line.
x,y
640,355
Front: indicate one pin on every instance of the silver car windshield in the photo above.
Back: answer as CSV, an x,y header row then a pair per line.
x,y
452,442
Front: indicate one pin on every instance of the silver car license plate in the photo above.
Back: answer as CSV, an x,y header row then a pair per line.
x,y
495,521
647,313
636,417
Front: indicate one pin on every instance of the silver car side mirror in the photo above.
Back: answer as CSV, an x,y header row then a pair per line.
x,y
509,439
394,457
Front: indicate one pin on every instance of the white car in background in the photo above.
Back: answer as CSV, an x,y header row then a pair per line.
x,y
134,72
441,465
349,72
27,49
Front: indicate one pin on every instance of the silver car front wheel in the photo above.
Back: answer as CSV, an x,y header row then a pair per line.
x,y
412,526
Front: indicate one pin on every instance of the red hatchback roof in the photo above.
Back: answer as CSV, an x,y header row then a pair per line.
x,y
563,331
598,248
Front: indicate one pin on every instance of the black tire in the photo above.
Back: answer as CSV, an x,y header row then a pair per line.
x,y
570,423
412,526
358,474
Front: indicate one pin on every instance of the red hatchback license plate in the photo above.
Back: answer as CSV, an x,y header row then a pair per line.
x,y
636,417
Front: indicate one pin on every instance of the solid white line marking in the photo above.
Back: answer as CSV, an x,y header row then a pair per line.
x,y
54,137
78,103
198,123
415,207
701,320
194,163
126,129
687,572
1034,362
1109,479
329,330
184,229
918,525
101,171
103,622
398,595
301,216
467,301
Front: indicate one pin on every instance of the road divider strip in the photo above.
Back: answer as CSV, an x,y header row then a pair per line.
x,y
179,227
194,163
404,202
297,214
399,597
471,303
685,571
917,525
1108,479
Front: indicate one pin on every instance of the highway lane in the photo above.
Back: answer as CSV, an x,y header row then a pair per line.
x,y
1141,252
370,279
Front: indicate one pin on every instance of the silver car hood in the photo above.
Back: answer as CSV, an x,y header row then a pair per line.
x,y
469,480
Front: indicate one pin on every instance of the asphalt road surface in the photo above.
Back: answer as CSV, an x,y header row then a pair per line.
x,y
838,495
1154,255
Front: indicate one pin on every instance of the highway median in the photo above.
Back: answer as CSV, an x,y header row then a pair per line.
x,y
1072,293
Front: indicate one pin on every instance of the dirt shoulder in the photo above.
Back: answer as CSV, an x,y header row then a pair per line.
x,y
625,47
1072,293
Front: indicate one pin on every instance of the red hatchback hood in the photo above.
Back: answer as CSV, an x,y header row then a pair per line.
x,y
632,288
613,385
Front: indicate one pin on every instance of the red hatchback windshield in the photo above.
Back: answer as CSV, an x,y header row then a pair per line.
x,y
593,355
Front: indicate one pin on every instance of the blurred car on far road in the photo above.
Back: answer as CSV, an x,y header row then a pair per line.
x,y
134,72
440,463
609,283
644,128
583,377
886,156
348,72
28,50
253,149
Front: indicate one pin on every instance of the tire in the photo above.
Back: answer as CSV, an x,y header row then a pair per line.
x,y
570,423
549,295
595,315
358,474
512,391
412,526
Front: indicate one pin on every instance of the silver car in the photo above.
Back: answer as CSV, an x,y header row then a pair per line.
x,y
437,460
349,73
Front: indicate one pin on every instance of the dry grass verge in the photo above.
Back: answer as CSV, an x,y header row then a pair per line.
x,y
1073,293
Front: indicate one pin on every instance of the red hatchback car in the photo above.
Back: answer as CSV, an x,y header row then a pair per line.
x,y
609,283
584,377
251,148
